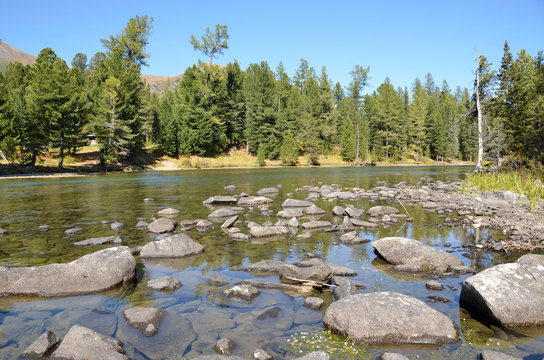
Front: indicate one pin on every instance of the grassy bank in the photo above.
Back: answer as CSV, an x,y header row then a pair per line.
x,y
86,160
523,182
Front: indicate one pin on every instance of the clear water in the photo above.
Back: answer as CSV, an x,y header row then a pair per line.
x,y
198,313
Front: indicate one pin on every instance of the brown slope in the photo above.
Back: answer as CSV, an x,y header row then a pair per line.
x,y
157,84
9,54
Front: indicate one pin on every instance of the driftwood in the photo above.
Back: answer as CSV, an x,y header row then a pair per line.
x,y
305,286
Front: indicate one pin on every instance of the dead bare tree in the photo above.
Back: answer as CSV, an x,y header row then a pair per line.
x,y
479,166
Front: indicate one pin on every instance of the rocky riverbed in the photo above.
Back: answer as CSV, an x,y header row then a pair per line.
x,y
315,289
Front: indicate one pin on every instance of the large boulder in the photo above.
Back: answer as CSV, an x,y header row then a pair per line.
x,y
82,343
296,203
146,319
319,272
179,245
91,273
41,346
100,241
403,251
511,294
162,225
389,318
220,200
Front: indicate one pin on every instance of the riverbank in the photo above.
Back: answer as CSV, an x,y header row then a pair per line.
x,y
86,161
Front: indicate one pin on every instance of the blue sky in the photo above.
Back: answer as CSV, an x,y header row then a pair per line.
x,y
399,39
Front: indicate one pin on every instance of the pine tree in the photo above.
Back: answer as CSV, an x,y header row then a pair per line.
x,y
416,114
289,150
261,156
347,141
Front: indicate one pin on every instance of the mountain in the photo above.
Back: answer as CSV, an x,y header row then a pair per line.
x,y
9,54
157,84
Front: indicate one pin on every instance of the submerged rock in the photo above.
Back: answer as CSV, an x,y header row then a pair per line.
x,y
224,346
162,225
389,318
179,245
392,356
146,319
313,303
82,343
508,294
244,292
495,355
315,355
117,225
99,241
296,203
220,200
91,273
165,283
312,225
319,272
73,231
223,213
41,346
270,266
403,251
265,231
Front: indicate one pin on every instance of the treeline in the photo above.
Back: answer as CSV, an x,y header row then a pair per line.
x,y
213,109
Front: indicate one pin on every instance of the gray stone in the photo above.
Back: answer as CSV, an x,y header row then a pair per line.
x,y
165,283
220,200
82,343
222,213
305,236
315,355
314,210
168,212
162,225
364,224
313,303
273,317
41,346
531,259
296,203
73,231
346,224
391,356
389,318
268,191
149,199
253,200
268,266
353,212
293,222
41,228
100,241
244,292
239,236
352,238
3,232
229,222
342,195
142,225
381,210
224,346
260,354
320,272
231,187
146,319
217,357
91,273
290,212
266,231
509,294
179,245
345,289
338,211
403,251
495,355
312,225
434,285
340,270
203,224
117,225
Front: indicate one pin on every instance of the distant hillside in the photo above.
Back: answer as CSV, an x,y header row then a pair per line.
x,y
157,84
9,54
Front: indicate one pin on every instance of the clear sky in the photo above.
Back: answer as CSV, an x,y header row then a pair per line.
x,y
399,39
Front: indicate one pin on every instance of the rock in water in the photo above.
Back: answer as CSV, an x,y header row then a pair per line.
x,y
392,356
100,241
3,232
223,213
320,272
509,294
296,203
179,245
244,292
315,355
117,225
313,303
165,283
253,200
314,210
265,231
381,210
41,346
389,318
220,200
403,251
260,354
162,225
146,319
312,225
229,222
290,212
82,343
495,355
224,346
168,212
91,273
268,266
268,191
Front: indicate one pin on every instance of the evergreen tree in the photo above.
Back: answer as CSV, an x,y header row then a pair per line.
x,y
289,150
212,43
416,115
261,156
347,141
387,108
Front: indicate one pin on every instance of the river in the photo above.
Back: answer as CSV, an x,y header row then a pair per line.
x,y
198,313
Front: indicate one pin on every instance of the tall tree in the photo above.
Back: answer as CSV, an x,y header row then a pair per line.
x,y
416,113
213,43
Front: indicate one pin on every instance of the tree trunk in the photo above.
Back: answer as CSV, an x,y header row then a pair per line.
x,y
61,160
479,166
3,157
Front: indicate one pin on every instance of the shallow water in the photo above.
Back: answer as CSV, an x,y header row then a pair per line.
x,y
198,313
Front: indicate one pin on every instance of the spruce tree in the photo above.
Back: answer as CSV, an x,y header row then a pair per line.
x,y
289,150
347,141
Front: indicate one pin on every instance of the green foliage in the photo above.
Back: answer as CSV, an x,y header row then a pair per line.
x,y
212,43
289,150
348,141
261,155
